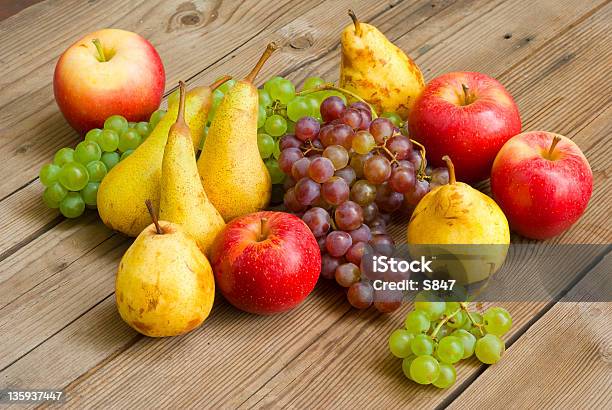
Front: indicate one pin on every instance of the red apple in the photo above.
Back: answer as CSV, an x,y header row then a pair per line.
x,y
266,262
128,80
467,116
542,182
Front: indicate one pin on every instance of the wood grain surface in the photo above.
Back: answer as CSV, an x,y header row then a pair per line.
x,y
58,322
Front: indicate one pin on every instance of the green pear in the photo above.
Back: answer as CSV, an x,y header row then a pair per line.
x,y
123,191
182,198
233,174
164,285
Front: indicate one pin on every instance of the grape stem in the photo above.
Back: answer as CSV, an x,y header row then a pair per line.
x,y
311,148
443,322
421,174
464,307
158,228
331,86
101,56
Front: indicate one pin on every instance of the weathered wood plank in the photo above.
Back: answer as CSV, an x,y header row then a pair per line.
x,y
563,360
131,360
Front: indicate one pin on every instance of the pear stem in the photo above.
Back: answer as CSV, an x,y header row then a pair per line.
x,y
180,118
220,82
331,86
158,228
263,229
101,56
554,143
351,13
272,47
451,169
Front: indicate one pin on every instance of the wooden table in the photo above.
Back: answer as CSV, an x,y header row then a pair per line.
x,y
59,328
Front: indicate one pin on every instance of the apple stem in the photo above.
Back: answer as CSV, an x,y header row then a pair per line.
x,y
272,47
180,118
351,13
219,82
554,143
149,205
451,169
263,229
466,94
101,56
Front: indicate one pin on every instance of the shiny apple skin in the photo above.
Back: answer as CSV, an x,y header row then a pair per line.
x,y
541,196
269,274
471,134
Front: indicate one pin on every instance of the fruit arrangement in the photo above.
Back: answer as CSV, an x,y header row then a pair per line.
x,y
201,221
439,334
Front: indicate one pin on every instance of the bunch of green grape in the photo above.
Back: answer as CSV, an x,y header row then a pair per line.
x,y
71,181
438,334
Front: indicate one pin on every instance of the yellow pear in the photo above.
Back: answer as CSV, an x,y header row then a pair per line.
x,y
164,285
377,70
233,174
125,188
463,229
182,198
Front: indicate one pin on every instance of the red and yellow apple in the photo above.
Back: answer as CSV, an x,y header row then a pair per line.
x,y
467,116
105,73
266,262
543,182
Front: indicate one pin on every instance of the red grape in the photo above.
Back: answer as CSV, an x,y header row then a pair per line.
x,y
363,192
329,265
358,161
387,199
383,244
307,128
348,174
337,243
377,169
291,202
356,252
370,212
360,295
348,216
325,134
321,169
387,300
352,118
439,176
307,191
331,108
335,190
366,119
347,274
361,234
362,106
342,134
413,196
299,169
402,179
287,158
400,146
318,220
381,128
289,141
338,155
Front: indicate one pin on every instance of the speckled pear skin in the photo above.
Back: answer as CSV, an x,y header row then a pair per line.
x,y
165,284
233,174
124,190
182,197
378,71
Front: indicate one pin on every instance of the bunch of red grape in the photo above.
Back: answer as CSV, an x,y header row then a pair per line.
x,y
345,177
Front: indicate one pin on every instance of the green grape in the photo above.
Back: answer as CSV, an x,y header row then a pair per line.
x,y
261,116
73,176
93,135
265,143
416,322
49,173
319,96
55,193
109,140
110,159
131,124
155,117
489,349
497,321
126,154
399,343
406,365
90,193
143,129
477,317
424,369
433,310
443,331
49,203
63,156
264,98
226,86
468,340
312,82
447,376
87,151
458,320
276,151
72,206
450,349
297,108
282,90
276,174
314,107
129,140
393,117
116,123
451,307
96,170
422,345
290,127
275,125
272,82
